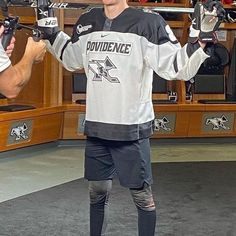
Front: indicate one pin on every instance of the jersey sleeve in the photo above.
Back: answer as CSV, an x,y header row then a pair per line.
x,y
164,54
67,50
4,59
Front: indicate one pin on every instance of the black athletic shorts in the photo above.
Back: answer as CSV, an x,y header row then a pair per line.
x,y
130,160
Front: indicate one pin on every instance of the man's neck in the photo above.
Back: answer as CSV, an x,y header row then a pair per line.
x,y
112,11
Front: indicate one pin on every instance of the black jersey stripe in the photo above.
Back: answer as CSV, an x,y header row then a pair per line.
x,y
63,49
118,131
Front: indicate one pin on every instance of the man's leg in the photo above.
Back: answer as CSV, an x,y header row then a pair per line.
x,y
133,164
144,202
99,170
99,193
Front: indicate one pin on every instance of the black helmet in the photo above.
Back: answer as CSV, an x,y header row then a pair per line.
x,y
230,15
219,57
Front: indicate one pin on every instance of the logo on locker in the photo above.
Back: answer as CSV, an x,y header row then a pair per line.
x,y
218,123
20,131
160,124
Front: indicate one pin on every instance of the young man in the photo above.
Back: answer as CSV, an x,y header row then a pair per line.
x,y
119,47
14,77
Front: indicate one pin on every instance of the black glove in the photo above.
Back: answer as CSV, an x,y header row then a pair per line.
x,y
46,21
206,20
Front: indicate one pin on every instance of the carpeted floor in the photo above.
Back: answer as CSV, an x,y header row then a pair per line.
x,y
193,199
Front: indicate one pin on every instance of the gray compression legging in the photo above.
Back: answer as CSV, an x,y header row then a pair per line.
x,y
99,194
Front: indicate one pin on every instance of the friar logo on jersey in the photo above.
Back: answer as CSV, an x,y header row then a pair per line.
x,y
101,68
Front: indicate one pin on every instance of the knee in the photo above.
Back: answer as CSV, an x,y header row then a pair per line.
x,y
143,198
99,191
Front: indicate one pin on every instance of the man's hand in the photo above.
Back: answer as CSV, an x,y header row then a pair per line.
x,y
206,20
11,46
35,50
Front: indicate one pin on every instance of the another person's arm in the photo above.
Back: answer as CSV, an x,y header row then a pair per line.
x,y
14,77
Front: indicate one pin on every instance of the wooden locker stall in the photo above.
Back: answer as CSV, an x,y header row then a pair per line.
x,y
43,92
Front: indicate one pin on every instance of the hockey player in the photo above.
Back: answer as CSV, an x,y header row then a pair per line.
x,y
119,47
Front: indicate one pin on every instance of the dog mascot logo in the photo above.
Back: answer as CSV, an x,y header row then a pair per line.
x,y
19,132
217,123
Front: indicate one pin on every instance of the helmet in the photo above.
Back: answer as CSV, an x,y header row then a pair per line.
x,y
219,57
230,15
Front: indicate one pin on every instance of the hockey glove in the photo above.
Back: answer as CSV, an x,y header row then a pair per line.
x,y
46,21
206,20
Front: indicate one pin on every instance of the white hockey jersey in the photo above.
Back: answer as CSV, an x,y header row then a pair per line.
x,y
119,57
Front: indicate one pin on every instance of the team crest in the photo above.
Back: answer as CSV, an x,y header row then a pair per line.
x,y
218,122
164,123
101,69
161,124
20,131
